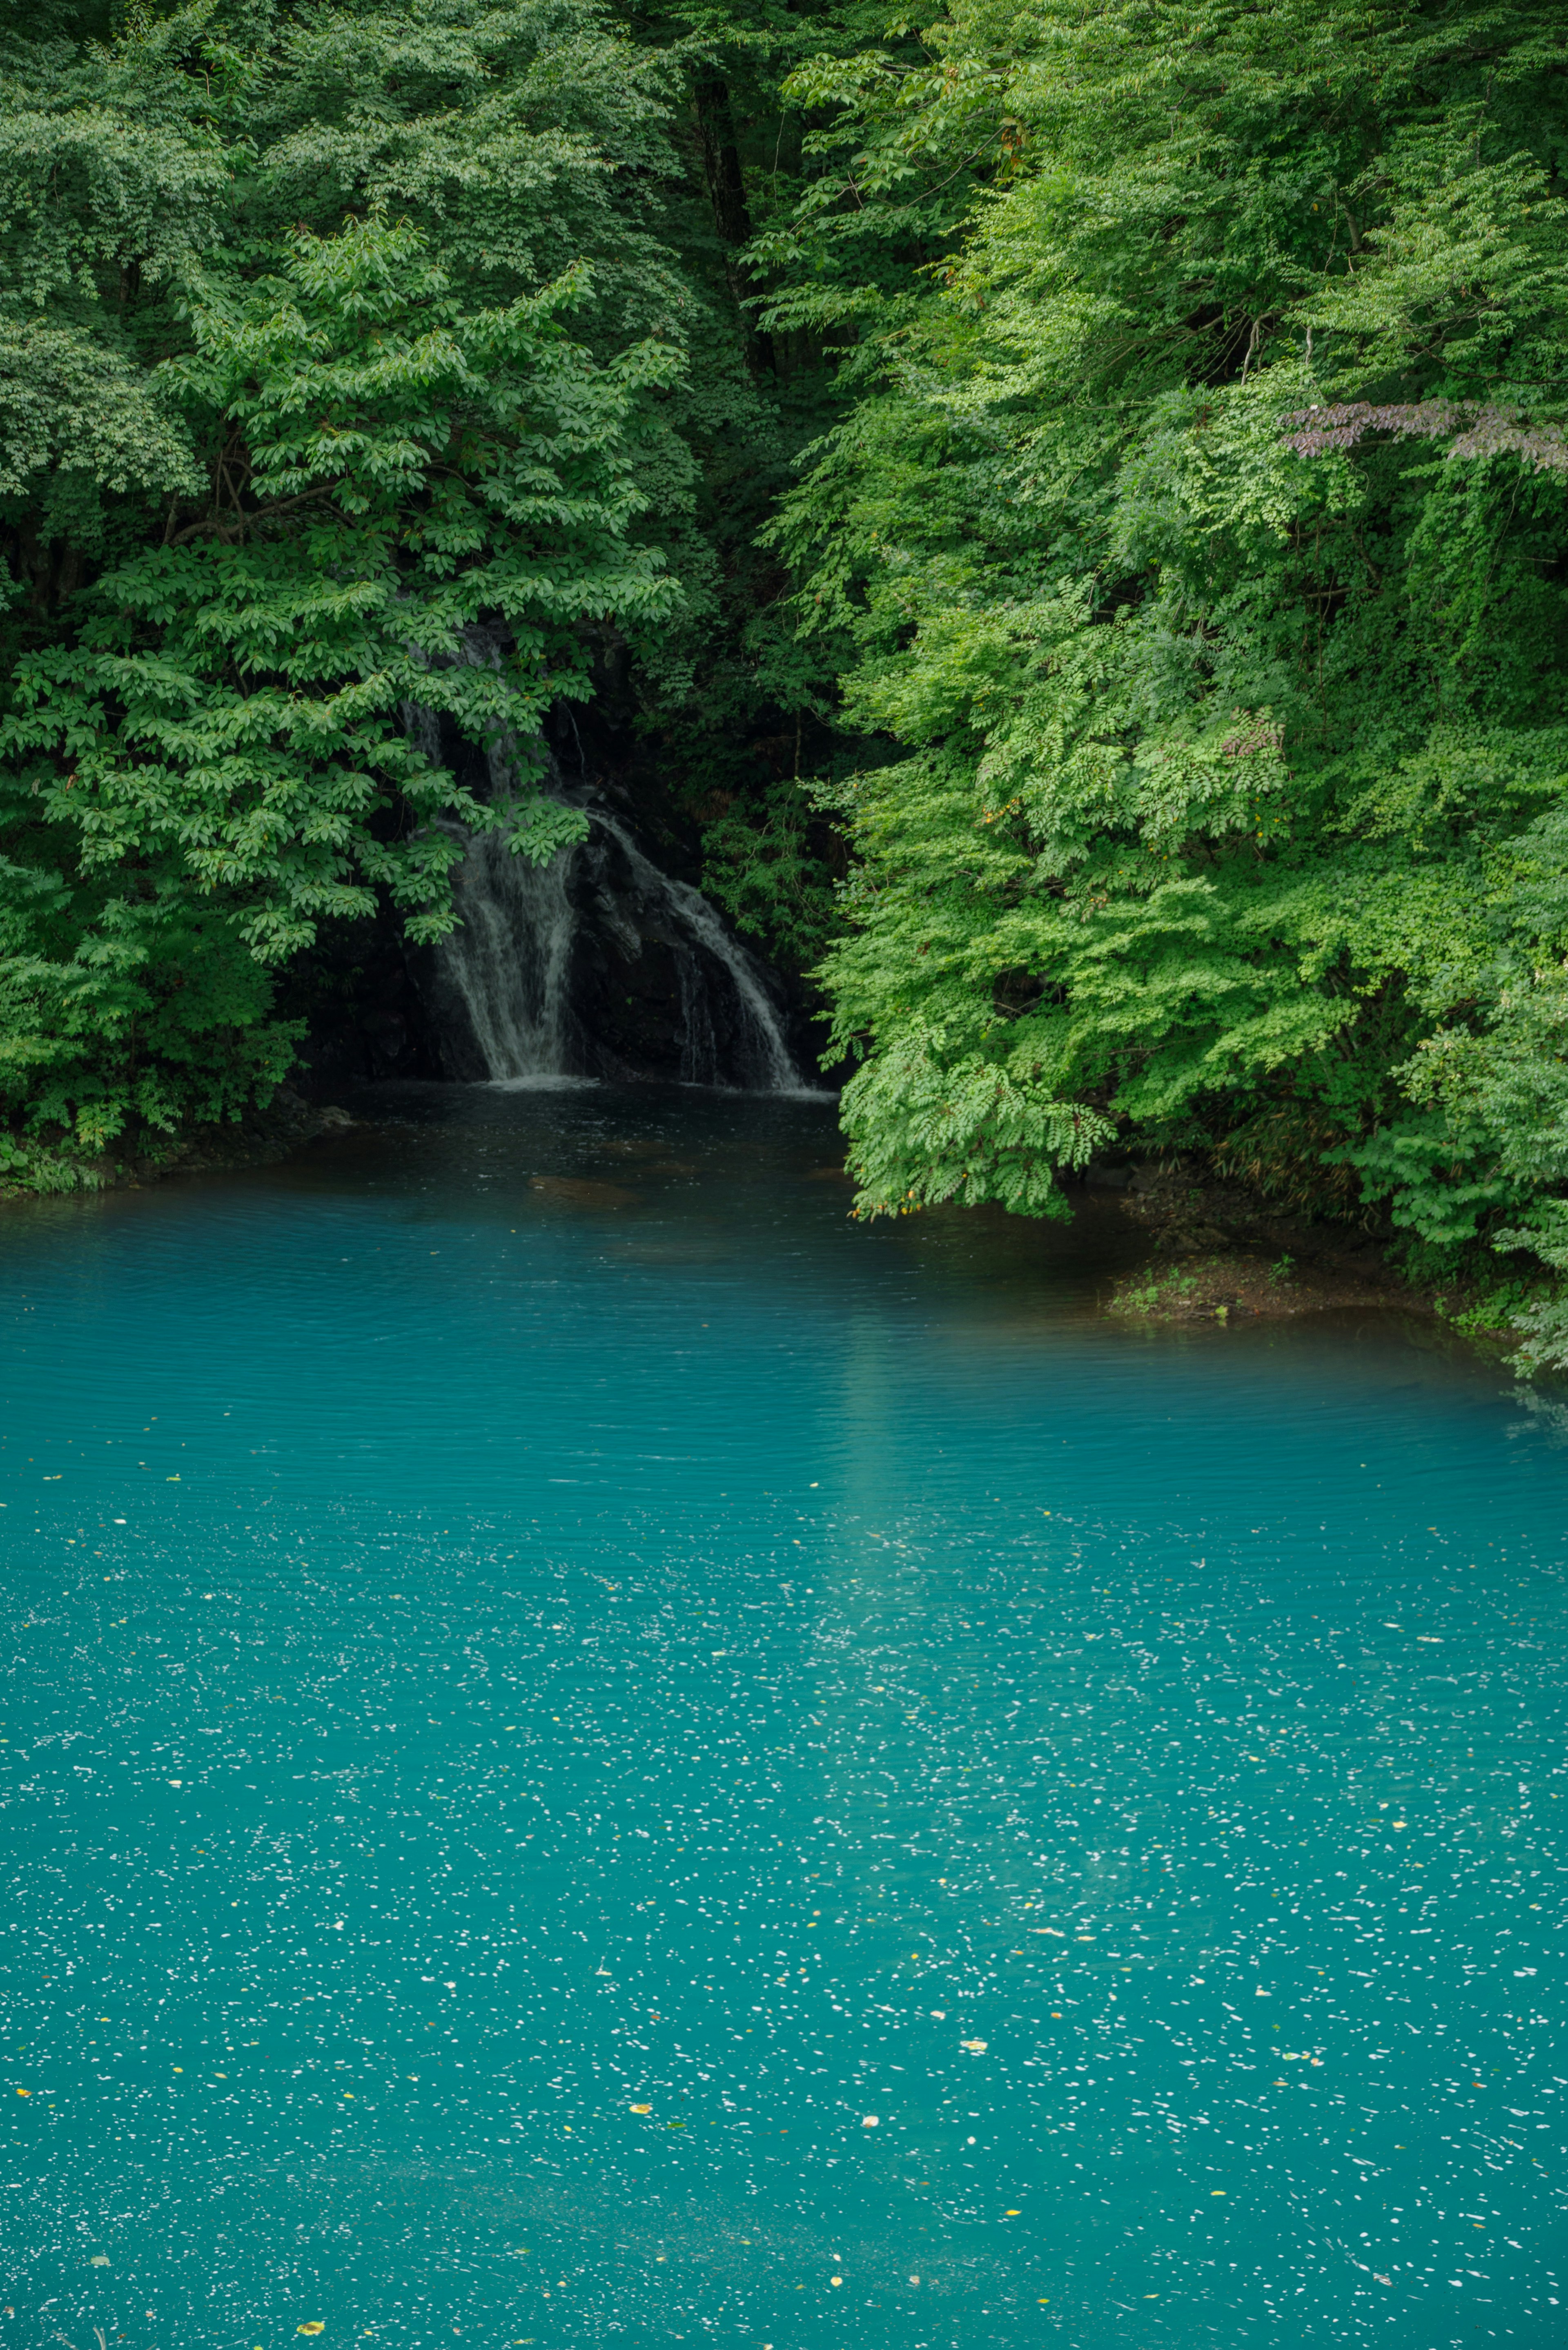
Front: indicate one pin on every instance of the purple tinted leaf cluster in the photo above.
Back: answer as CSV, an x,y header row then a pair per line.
x,y
1471,427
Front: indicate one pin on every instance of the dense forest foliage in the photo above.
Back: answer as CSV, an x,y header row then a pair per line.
x,y
1077,490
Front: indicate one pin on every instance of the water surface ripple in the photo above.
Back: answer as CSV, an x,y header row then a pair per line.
x,y
525,1599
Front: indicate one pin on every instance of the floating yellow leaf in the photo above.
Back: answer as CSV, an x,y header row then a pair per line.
x,y
642,2110
975,2047
311,2325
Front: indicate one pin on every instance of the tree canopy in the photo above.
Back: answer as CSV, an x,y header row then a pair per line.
x,y
1197,529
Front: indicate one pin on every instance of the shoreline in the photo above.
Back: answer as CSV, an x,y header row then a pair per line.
x,y
261,1138
1216,1252
1222,1253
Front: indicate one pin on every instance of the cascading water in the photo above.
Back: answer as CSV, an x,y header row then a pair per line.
x,y
509,960
546,959
771,1064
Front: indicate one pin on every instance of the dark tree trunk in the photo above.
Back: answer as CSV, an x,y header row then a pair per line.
x,y
727,193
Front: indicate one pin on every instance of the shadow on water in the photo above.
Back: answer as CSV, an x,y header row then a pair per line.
x,y
528,1596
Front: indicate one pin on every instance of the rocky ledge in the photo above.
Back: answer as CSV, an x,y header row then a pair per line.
x,y
1222,1253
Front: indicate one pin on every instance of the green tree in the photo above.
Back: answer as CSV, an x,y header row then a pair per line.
x,y
1200,530
337,346
215,617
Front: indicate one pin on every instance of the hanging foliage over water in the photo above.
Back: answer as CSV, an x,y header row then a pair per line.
x,y
1200,531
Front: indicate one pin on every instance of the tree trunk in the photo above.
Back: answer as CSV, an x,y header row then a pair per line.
x,y
727,193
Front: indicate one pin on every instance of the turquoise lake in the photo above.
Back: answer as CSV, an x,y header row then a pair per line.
x,y
526,1599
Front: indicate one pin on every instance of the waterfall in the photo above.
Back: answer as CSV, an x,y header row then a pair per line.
x,y
509,959
535,973
772,1064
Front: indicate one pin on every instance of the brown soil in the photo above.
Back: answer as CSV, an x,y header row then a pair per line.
x,y
1222,1253
1231,1287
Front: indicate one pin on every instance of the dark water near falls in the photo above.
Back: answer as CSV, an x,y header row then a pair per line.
x,y
516,1604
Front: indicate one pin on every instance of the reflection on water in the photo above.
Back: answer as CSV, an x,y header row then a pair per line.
x,y
526,1599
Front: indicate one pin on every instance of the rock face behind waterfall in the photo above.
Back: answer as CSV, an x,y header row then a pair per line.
x,y
601,964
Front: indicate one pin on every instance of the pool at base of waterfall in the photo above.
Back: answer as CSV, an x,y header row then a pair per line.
x,y
597,1753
